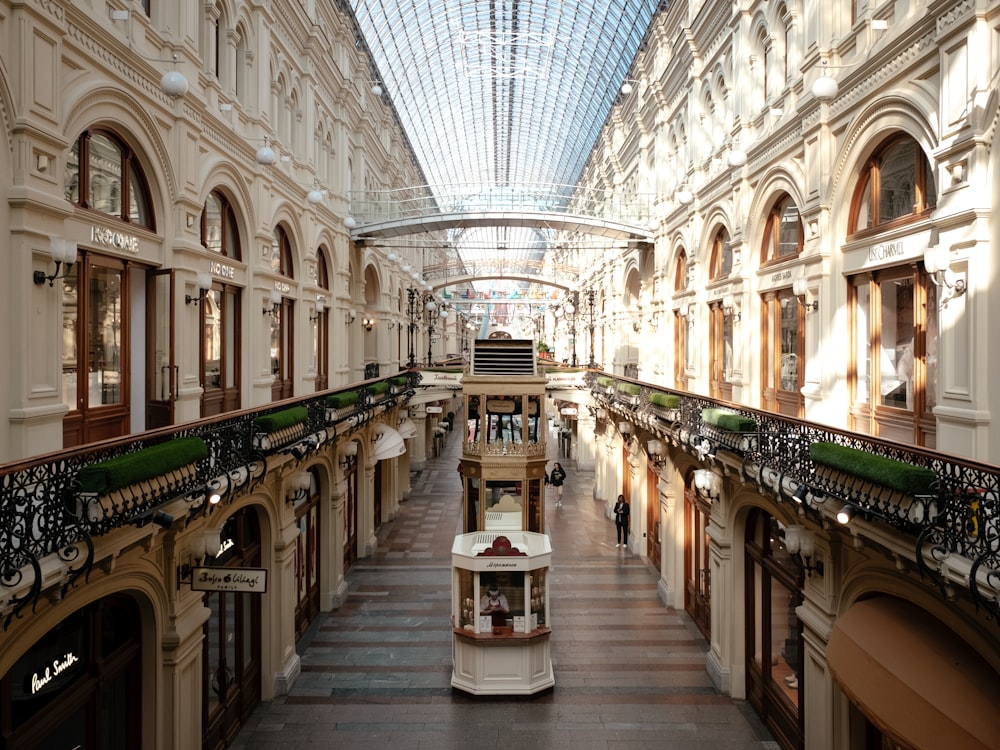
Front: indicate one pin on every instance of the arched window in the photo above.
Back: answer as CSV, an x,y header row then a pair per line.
x,y
896,186
783,235
281,258
98,161
680,272
721,258
218,227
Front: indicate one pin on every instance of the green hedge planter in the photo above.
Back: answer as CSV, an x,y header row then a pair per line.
x,y
605,382
632,389
400,381
146,463
666,400
340,400
281,420
887,472
727,420
380,387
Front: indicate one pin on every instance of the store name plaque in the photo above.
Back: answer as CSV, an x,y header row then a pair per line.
x,y
241,580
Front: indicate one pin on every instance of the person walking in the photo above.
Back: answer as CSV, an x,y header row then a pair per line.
x,y
622,511
556,478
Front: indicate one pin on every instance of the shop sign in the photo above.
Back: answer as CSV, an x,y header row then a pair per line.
x,y
115,239
498,406
568,411
221,270
54,662
240,580
49,677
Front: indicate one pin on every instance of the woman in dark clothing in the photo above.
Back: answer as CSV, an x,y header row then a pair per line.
x,y
556,478
622,521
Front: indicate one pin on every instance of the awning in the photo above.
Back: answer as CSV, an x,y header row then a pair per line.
x,y
388,443
913,677
407,428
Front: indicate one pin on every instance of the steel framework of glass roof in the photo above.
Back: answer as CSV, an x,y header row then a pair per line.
x,y
498,94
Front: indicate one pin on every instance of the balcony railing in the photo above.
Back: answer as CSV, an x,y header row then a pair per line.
x,y
45,510
954,526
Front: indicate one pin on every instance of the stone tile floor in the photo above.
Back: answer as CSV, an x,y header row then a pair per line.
x,y
377,672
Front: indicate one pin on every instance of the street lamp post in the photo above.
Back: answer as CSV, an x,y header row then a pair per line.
x,y
571,313
413,300
590,326
431,315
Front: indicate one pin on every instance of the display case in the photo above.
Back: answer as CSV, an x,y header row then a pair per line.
x,y
500,613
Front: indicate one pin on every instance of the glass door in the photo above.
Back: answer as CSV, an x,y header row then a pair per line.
x,y
161,371
96,327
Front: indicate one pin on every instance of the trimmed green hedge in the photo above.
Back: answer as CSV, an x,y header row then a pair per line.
x,y
604,381
281,419
888,472
632,389
340,400
145,463
400,380
666,400
380,387
727,420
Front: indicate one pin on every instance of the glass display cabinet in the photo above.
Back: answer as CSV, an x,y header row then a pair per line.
x,y
500,613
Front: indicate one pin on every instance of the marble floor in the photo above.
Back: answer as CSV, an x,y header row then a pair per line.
x,y
376,673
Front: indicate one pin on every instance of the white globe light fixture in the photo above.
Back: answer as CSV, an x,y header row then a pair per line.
x,y
825,88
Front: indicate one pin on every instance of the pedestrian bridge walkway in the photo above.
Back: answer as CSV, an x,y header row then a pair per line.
x,y
427,208
377,672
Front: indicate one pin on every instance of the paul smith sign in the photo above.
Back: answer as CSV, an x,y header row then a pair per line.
x,y
240,580
43,679
117,240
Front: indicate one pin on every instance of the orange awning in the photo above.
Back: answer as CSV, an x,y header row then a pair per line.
x,y
913,677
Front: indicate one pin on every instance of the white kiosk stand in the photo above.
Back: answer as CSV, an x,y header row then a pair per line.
x,y
500,613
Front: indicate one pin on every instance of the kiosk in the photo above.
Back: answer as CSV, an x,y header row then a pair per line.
x,y
500,608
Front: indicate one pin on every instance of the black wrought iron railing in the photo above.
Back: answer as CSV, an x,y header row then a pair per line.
x,y
45,510
954,526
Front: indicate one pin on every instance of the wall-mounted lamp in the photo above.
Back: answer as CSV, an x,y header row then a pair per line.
x,y
706,449
801,544
348,455
825,88
275,303
298,486
657,451
64,254
376,89
351,316
205,543
158,517
319,309
627,86
737,157
350,222
204,284
708,484
368,322
266,155
316,195
684,196
937,261
845,515
173,83
729,307
625,428
799,288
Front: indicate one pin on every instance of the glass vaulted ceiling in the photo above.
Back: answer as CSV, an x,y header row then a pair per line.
x,y
502,94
